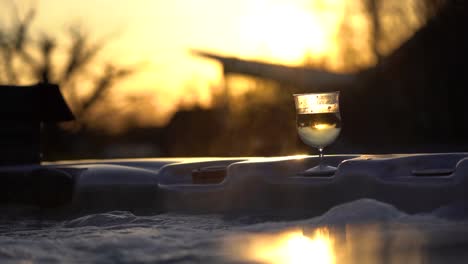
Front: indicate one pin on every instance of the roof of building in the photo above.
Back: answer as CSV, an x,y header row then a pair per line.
x,y
40,102
296,76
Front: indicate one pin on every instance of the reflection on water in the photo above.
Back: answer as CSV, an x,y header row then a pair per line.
x,y
380,243
363,244
291,247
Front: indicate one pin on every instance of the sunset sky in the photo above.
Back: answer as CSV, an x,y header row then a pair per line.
x,y
158,36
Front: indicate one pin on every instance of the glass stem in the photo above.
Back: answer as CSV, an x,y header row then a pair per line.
x,y
321,156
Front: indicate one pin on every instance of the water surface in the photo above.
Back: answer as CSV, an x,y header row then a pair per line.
x,y
363,231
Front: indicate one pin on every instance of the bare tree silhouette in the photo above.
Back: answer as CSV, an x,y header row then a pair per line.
x,y
26,57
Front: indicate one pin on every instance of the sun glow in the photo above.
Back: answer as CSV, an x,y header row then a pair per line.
x,y
293,247
156,36
287,32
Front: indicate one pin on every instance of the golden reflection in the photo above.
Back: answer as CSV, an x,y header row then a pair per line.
x,y
324,126
293,247
299,156
355,244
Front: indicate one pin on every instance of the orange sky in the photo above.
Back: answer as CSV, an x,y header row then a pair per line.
x,y
159,34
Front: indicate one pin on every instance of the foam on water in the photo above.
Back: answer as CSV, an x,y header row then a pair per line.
x,y
367,226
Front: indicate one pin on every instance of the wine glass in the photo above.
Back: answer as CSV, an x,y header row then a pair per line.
x,y
318,124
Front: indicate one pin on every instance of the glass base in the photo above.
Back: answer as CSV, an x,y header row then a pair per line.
x,y
319,170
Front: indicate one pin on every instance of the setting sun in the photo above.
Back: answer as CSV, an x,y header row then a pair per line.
x,y
287,32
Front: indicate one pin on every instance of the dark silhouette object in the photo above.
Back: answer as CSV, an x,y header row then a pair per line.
x,y
417,96
22,111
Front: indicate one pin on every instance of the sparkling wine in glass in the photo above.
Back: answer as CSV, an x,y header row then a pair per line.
x,y
318,124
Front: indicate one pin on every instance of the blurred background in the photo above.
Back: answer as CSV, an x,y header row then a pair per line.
x,y
215,78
